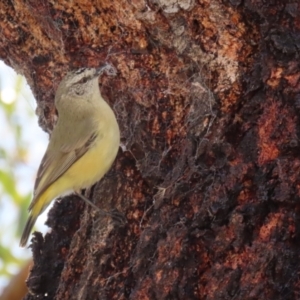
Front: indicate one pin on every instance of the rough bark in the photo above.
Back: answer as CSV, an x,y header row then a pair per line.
x,y
207,99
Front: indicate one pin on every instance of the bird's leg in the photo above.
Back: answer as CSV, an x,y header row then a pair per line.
x,y
114,214
89,202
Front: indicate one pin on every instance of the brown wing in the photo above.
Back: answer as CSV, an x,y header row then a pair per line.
x,y
57,162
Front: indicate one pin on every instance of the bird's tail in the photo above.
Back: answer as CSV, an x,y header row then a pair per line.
x,y
38,204
28,227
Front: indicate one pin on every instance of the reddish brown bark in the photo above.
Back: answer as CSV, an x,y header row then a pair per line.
x,y
207,98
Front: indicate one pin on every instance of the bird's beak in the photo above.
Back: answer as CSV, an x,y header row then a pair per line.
x,y
107,68
100,70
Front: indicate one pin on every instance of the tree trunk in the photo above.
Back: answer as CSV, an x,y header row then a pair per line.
x,y
207,99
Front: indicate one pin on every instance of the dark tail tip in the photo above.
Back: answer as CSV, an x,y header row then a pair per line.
x,y
26,232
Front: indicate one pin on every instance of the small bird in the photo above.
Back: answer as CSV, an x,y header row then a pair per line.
x,y
82,147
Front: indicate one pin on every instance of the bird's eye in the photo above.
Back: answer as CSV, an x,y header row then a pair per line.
x,y
83,80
